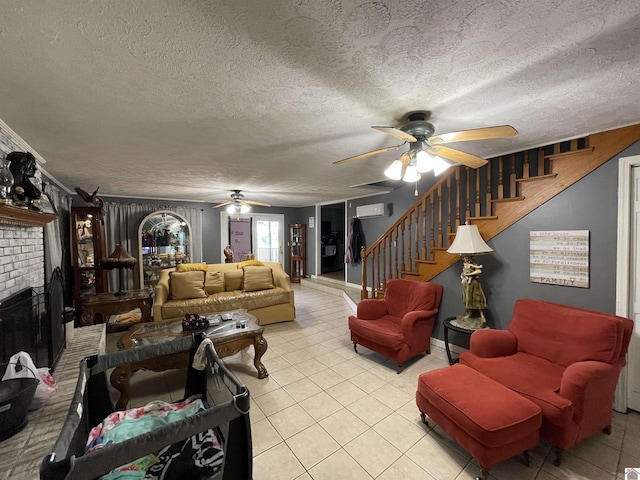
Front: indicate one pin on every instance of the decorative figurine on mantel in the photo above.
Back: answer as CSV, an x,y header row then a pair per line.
x,y
92,199
24,193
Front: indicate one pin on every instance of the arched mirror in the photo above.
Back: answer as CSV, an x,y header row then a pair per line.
x,y
165,241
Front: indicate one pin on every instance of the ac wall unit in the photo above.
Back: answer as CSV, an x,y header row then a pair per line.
x,y
370,211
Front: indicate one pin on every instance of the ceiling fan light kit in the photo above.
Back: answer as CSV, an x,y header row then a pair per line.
x,y
242,208
238,204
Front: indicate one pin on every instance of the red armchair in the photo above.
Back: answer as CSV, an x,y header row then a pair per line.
x,y
564,359
400,325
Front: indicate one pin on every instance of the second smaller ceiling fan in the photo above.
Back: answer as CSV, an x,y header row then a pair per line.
x,y
238,204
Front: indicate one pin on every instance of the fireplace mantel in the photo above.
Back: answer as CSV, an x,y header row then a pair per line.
x,y
11,215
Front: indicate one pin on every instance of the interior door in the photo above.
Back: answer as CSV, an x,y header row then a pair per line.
x,y
267,235
633,395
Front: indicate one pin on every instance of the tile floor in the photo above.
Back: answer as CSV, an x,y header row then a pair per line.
x,y
326,412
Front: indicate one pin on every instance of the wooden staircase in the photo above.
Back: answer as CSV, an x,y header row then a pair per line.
x,y
492,197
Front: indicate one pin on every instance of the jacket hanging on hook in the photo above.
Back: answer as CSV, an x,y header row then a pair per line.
x,y
355,241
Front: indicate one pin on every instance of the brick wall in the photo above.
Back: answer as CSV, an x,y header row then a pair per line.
x,y
21,259
21,248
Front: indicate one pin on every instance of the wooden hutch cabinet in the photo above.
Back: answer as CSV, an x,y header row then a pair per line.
x,y
89,247
297,252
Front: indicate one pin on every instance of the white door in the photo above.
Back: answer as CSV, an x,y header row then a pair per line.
x,y
633,396
267,232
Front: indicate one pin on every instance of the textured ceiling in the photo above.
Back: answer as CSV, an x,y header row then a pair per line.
x,y
189,99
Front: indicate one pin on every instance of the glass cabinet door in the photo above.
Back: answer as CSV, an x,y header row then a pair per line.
x,y
88,249
297,252
165,241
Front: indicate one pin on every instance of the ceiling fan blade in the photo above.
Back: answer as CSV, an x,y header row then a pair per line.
x,y
368,154
222,204
502,131
260,204
457,156
395,132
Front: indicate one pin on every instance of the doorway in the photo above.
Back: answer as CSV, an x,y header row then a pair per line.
x,y
627,271
266,233
332,241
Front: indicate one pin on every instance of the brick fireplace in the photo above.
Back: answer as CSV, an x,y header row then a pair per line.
x,y
21,259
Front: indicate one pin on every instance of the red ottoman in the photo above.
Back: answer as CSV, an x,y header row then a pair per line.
x,y
490,421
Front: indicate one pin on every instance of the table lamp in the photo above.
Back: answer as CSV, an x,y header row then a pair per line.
x,y
119,259
468,243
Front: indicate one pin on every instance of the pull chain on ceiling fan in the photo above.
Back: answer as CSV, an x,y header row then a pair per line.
x,y
238,204
426,151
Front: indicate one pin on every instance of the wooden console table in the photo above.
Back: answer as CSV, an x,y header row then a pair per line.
x,y
227,338
106,304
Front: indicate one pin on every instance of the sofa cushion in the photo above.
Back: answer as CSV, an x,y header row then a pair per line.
x,y
224,302
255,278
214,282
188,267
533,377
382,331
578,335
250,263
232,280
189,284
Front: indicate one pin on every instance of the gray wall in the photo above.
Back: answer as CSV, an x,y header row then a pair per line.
x,y
397,203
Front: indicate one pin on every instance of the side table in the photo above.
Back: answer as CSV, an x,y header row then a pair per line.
x,y
451,323
106,304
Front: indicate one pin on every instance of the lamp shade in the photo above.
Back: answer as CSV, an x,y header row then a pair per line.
x,y
119,258
468,241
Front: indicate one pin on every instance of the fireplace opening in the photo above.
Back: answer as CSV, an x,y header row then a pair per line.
x,y
31,320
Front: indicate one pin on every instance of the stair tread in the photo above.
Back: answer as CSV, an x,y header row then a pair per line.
x,y
537,177
510,199
490,217
555,156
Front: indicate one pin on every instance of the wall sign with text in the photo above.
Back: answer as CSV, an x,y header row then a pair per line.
x,y
559,257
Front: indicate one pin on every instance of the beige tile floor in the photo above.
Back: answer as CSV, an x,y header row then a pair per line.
x,y
326,412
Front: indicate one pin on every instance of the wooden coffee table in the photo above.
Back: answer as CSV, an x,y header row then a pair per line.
x,y
227,338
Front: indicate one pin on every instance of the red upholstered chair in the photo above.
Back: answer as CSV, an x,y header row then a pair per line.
x,y
400,325
564,359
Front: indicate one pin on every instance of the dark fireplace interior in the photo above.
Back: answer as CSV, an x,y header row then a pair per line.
x,y
32,321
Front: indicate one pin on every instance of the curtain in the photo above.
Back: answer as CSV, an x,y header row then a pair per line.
x,y
121,226
53,242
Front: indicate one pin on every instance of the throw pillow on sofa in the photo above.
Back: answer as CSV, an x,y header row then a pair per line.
x,y
250,263
185,285
187,267
232,280
257,278
213,282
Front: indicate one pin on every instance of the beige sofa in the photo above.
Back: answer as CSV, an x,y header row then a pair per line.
x,y
264,290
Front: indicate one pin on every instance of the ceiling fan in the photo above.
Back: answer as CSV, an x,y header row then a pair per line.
x,y
238,204
427,151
